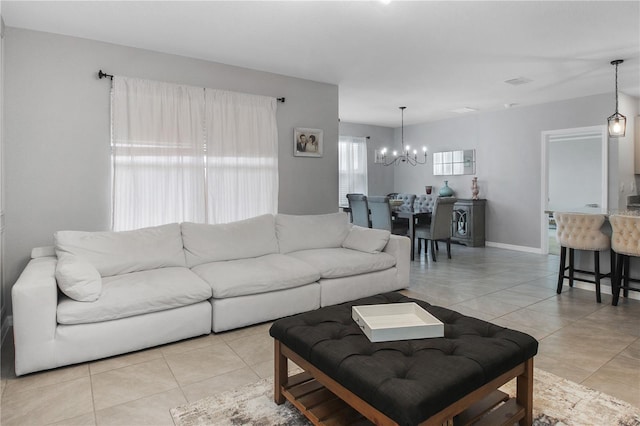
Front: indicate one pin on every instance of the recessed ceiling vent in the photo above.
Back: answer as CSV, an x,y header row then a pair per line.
x,y
463,110
518,81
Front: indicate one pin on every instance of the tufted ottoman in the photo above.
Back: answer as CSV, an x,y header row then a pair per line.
x,y
424,381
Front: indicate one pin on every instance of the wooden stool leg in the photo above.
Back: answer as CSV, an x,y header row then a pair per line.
x,y
281,373
563,255
571,260
596,265
612,267
627,274
524,395
618,277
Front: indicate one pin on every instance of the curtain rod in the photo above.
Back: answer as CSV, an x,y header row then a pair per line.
x,y
102,75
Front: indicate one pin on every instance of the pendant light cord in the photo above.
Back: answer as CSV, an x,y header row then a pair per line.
x,y
616,63
616,86
402,128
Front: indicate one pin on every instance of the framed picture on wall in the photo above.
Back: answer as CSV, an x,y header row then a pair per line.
x,y
307,142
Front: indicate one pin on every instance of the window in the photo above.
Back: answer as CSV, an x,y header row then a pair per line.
x,y
352,167
183,153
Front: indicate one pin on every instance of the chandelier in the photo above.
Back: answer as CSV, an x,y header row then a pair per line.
x,y
405,156
617,122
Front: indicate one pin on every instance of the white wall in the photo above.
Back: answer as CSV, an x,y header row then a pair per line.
x,y
508,160
380,178
57,133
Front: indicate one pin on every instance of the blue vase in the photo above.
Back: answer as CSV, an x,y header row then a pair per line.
x,y
445,191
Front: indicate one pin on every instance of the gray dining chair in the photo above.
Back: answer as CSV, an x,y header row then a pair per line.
x,y
424,203
440,227
408,200
359,210
381,217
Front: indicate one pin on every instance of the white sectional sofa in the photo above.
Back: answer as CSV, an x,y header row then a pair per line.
x,y
98,294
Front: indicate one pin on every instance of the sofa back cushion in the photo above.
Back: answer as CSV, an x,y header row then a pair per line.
x,y
115,253
229,241
311,231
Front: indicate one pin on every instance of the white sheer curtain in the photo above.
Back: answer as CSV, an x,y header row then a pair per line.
x,y
352,167
242,155
183,153
157,153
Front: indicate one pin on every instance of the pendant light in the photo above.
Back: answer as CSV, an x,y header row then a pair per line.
x,y
406,156
617,122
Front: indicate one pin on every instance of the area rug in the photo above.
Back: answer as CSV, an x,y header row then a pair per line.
x,y
556,401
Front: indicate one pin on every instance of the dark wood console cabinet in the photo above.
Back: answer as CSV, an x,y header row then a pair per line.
x,y
468,222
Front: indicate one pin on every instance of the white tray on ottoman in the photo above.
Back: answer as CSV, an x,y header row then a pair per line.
x,y
396,321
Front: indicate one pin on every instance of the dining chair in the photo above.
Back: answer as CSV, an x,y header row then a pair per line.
x,y
359,210
408,200
424,203
440,227
581,231
381,217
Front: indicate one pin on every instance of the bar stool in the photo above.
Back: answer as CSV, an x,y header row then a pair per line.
x,y
577,231
625,240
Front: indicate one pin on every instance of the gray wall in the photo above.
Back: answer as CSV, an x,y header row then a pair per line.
x,y
57,133
379,177
508,152
4,327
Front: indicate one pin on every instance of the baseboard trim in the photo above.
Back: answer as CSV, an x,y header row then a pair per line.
x,y
514,247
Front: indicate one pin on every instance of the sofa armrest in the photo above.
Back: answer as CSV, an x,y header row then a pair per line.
x,y
35,302
400,248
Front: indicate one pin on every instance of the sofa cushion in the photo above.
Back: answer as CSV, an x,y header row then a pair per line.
x,y
342,262
115,253
257,275
311,231
78,279
137,293
236,240
366,239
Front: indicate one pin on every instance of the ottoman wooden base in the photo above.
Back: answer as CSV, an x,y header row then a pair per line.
x,y
325,402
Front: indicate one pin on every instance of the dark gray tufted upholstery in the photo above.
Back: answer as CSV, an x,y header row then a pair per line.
x,y
409,381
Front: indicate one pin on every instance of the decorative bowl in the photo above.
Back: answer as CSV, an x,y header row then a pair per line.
x,y
396,203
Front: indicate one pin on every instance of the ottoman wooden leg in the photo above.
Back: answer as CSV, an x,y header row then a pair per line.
x,y
524,395
281,373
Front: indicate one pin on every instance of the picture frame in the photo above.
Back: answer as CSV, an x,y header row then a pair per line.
x,y
307,142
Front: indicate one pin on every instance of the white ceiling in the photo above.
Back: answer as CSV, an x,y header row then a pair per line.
x,y
430,56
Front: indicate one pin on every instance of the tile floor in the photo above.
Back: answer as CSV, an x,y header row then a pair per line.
x,y
597,345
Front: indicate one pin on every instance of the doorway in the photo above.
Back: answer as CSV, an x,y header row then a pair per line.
x,y
574,176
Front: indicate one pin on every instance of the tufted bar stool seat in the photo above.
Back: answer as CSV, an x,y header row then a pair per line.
x,y
580,231
625,241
